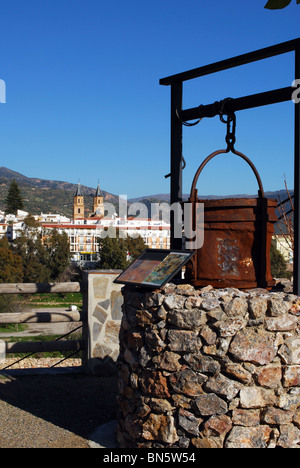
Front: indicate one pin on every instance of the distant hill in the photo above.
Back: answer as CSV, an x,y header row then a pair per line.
x,y
52,196
279,195
47,196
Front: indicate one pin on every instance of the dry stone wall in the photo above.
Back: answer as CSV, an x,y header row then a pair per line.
x,y
209,369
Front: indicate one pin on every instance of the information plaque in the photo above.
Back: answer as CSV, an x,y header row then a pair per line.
x,y
154,268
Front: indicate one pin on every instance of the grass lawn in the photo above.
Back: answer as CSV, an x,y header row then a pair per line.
x,y
12,328
57,300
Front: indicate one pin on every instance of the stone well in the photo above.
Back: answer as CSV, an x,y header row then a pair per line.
x,y
209,369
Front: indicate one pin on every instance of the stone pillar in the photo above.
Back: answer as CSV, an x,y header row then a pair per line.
x,y
104,307
209,369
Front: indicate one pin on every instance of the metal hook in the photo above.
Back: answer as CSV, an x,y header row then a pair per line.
x,y
183,167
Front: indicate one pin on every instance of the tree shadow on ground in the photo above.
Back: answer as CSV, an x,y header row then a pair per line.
x,y
76,402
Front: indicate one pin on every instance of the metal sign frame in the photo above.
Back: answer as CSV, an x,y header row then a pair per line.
x,y
154,268
178,116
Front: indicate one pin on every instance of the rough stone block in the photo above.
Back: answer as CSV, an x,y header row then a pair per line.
x,y
100,287
253,346
100,314
249,437
181,340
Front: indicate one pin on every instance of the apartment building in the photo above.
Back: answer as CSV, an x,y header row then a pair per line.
x,y
83,238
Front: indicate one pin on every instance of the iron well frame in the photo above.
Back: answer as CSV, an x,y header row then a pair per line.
x,y
179,116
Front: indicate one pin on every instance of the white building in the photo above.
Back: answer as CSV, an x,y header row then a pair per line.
x,y
52,218
83,236
284,244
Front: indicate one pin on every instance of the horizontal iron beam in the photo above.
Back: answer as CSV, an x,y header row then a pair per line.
x,y
233,105
243,59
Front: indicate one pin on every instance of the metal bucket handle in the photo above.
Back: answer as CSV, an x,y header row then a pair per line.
x,y
193,194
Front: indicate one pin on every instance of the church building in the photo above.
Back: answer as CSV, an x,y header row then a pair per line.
x,y
78,204
79,207
98,207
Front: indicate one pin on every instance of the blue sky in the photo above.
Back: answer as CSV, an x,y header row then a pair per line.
x,y
84,101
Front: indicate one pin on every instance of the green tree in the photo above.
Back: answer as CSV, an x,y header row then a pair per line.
x,y
34,258
44,259
278,263
31,223
117,253
11,268
11,271
112,254
14,199
58,253
278,4
134,246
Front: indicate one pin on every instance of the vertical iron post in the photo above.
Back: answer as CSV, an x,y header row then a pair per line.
x,y
176,157
296,184
247,102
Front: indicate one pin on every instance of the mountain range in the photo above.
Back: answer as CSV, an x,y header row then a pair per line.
x,y
52,196
47,196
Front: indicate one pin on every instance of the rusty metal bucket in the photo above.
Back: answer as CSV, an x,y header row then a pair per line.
x,y
237,238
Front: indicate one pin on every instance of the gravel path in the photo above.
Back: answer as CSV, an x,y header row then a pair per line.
x,y
54,411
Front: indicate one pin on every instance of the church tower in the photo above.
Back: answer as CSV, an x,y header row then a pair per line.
x,y
78,205
98,207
